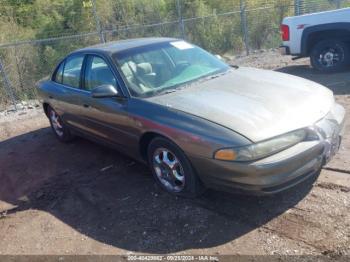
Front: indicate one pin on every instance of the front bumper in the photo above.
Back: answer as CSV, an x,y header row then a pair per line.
x,y
282,170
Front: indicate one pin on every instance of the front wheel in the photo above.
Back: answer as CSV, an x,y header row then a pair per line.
x,y
172,170
330,56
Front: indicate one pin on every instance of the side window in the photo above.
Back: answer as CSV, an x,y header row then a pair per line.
x,y
98,73
59,74
72,69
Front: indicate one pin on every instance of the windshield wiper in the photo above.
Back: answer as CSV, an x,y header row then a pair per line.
x,y
213,76
164,92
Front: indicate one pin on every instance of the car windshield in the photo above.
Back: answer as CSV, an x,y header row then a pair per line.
x,y
163,67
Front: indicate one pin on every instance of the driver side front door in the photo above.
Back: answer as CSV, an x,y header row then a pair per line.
x,y
105,118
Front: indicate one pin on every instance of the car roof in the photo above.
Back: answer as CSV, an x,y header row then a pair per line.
x,y
122,45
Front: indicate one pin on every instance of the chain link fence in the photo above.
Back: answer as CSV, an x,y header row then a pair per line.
x,y
231,27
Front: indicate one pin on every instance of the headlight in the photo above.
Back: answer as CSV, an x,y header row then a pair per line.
x,y
261,149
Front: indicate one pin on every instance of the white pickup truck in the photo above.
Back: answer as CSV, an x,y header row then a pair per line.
x,y
324,37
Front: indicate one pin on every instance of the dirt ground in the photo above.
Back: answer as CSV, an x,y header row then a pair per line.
x,y
82,198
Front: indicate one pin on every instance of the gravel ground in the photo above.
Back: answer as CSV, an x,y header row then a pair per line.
x,y
82,198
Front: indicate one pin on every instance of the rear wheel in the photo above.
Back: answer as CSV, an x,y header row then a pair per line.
x,y
61,131
172,170
330,56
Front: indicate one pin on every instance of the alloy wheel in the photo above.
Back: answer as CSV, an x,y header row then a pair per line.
x,y
56,123
169,170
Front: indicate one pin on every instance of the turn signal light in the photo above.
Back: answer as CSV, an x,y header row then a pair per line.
x,y
225,154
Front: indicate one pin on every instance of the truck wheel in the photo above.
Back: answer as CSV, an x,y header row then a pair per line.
x,y
330,56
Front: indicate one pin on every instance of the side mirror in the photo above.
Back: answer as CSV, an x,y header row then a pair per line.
x,y
104,91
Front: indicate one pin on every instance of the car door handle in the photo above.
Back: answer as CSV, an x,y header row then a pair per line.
x,y
86,105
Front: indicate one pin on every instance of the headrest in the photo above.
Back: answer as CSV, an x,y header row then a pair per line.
x,y
144,68
127,67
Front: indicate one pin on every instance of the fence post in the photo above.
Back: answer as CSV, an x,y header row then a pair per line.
x,y
338,2
97,20
8,86
181,22
244,25
296,7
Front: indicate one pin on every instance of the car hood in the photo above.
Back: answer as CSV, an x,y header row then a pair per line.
x,y
258,104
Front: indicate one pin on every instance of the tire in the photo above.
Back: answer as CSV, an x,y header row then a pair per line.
x,y
60,130
330,56
185,183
